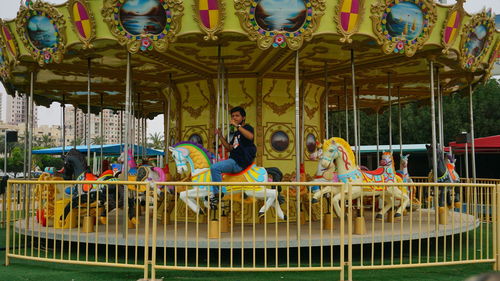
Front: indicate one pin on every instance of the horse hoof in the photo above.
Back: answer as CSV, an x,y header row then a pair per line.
x,y
397,215
379,217
103,220
133,221
314,201
285,218
261,214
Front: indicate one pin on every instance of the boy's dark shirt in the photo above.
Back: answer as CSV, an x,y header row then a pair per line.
x,y
244,150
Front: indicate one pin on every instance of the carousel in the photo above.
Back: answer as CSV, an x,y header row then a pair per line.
x,y
289,64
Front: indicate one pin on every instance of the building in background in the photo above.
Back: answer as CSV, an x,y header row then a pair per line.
x,y
112,127
16,111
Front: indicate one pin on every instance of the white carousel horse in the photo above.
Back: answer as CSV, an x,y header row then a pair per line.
x,y
338,152
191,158
405,176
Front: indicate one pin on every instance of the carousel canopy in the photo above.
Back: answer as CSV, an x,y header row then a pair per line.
x,y
489,144
175,47
107,149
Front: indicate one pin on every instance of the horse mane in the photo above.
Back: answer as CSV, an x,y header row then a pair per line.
x,y
347,147
200,156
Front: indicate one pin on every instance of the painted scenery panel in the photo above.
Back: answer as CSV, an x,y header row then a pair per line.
x,y
143,17
280,15
42,32
405,21
477,40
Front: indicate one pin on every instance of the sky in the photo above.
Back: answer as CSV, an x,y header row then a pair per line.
x,y
51,116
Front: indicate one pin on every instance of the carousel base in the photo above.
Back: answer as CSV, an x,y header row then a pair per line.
x,y
187,234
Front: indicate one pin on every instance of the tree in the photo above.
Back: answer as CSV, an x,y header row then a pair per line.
x,y
98,140
45,141
156,141
77,141
15,163
416,118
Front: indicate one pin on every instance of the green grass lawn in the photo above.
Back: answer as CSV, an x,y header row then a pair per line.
x,y
36,271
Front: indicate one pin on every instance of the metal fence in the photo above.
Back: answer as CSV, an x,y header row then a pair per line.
x,y
141,226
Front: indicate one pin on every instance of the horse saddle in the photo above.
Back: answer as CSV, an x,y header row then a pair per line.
x,y
377,172
251,174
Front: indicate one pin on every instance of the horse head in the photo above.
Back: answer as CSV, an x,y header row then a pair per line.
x,y
403,164
74,164
180,156
130,159
330,152
386,160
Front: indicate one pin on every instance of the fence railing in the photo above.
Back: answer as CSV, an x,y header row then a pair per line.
x,y
275,226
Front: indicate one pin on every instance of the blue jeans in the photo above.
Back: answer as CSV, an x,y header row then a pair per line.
x,y
226,166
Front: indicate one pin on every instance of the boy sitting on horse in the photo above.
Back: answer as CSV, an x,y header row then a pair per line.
x,y
241,149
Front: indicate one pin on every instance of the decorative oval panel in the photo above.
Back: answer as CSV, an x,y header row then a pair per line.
x,y
83,21
210,16
9,40
349,17
476,40
143,24
452,25
280,24
43,28
403,26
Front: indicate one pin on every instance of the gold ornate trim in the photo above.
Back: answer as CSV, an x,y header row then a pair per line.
x,y
221,15
45,55
200,130
469,60
276,108
246,11
270,152
86,21
405,42
195,112
310,130
247,96
144,41
348,11
452,25
10,41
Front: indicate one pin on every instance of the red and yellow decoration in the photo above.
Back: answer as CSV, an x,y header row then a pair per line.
x,y
83,21
349,17
10,43
210,15
452,25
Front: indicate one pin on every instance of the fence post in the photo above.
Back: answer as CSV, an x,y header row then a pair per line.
x,y
7,243
146,230
155,218
349,233
496,228
342,231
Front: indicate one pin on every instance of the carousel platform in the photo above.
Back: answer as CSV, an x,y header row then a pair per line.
x,y
271,235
